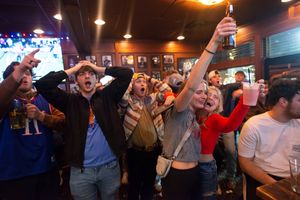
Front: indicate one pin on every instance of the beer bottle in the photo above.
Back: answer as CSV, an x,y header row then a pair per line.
x,y
229,42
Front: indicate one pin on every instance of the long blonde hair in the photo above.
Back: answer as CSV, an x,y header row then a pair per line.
x,y
220,96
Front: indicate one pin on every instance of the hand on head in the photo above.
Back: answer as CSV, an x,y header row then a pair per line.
x,y
88,63
227,26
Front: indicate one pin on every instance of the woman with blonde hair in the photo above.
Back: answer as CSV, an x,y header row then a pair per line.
x,y
182,181
212,124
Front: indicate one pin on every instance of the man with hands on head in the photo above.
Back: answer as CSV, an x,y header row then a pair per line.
x,y
94,134
27,163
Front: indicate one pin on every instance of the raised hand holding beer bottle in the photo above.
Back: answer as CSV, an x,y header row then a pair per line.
x,y
229,42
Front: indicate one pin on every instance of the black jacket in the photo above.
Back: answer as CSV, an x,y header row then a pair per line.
x,y
76,108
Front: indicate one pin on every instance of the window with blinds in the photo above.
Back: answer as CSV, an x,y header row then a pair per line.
x,y
245,50
283,44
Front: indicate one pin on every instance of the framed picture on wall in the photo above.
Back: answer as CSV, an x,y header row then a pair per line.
x,y
142,62
168,59
168,67
72,61
106,60
92,59
156,75
185,66
127,60
155,61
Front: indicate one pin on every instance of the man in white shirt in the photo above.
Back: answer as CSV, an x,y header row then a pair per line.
x,y
268,140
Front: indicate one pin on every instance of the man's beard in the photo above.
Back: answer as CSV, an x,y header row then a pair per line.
x,y
292,113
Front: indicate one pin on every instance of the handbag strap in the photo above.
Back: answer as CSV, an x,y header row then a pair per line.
x,y
183,139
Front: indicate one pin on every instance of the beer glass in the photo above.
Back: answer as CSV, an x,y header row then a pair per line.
x,y
17,115
295,174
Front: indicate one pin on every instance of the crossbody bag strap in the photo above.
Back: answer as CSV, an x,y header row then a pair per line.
x,y
183,140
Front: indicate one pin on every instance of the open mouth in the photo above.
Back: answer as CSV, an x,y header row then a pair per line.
x,y
208,104
88,83
142,89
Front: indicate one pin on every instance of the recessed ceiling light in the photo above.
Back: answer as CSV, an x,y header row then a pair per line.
x,y
57,16
284,1
180,37
210,2
127,36
38,31
99,22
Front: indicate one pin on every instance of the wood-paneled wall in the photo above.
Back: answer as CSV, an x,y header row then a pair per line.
x,y
179,49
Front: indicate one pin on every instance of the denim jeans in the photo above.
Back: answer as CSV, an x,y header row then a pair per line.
x,y
208,180
87,183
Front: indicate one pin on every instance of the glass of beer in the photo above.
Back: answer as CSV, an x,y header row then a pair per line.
x,y
17,115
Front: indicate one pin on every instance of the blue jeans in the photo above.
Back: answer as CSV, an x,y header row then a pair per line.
x,y
208,180
86,183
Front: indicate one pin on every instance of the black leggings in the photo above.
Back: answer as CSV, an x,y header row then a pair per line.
x,y
181,184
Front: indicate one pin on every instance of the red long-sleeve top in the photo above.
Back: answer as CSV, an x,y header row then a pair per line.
x,y
216,124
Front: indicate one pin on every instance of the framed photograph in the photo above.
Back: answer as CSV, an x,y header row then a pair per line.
x,y
142,62
156,75
168,59
155,61
127,60
92,59
72,61
185,66
168,67
106,60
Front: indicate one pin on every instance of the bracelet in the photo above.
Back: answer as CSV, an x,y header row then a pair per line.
x,y
208,51
191,89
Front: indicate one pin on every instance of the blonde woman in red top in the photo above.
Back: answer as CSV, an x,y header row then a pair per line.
x,y
212,125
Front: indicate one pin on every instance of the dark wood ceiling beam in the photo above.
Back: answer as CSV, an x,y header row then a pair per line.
x,y
43,10
76,21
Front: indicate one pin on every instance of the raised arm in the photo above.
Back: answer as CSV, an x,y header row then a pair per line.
x,y
10,85
235,119
226,27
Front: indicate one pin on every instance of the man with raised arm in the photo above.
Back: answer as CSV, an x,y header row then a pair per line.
x,y
28,167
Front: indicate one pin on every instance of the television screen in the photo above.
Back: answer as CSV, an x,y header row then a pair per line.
x,y
50,54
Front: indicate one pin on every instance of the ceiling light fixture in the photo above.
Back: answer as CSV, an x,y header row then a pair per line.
x,y
210,2
285,1
38,31
99,22
58,16
127,36
180,37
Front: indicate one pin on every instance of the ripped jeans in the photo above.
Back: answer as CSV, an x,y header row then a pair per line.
x,y
208,180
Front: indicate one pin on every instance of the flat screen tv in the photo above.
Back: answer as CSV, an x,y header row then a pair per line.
x,y
50,54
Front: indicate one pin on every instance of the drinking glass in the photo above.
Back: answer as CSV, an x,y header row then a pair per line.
x,y
295,174
17,115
